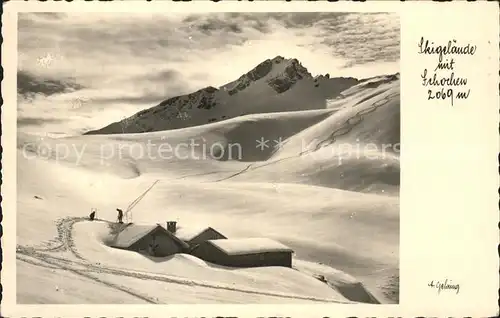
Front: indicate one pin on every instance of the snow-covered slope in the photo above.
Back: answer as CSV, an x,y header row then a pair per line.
x,y
274,85
337,208
356,147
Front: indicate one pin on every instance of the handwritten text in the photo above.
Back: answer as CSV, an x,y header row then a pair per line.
x,y
444,86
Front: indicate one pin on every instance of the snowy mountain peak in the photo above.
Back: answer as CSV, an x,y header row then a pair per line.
x,y
278,59
280,74
292,73
274,85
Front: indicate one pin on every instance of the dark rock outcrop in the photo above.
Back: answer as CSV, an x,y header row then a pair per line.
x,y
255,74
291,75
172,108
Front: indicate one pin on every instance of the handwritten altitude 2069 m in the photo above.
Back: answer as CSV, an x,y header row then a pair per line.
x,y
444,86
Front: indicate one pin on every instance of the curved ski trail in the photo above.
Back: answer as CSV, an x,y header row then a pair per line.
x,y
83,267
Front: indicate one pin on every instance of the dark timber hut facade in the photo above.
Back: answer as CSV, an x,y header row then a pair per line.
x,y
251,252
154,240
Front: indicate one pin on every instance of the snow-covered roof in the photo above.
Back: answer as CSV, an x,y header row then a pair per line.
x,y
249,246
133,233
189,233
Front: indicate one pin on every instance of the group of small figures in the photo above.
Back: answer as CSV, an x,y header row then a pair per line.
x,y
120,215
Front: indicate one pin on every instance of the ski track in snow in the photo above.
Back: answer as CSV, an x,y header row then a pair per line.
x,y
348,125
44,255
58,263
64,242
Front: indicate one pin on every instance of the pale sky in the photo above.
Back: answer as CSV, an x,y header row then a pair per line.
x,y
120,63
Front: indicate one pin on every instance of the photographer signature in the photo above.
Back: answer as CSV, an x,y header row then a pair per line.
x,y
443,286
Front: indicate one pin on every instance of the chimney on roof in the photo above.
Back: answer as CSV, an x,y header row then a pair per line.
x,y
172,226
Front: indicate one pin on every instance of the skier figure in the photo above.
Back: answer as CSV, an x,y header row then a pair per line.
x,y
92,215
120,216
